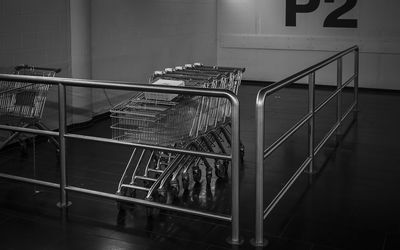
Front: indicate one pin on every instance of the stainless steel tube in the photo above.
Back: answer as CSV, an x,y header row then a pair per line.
x,y
62,114
333,95
351,108
146,203
147,146
29,130
356,75
261,153
235,168
311,122
259,209
29,180
284,190
326,138
286,135
339,79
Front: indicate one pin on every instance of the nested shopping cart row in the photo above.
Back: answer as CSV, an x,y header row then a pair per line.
x,y
22,103
186,122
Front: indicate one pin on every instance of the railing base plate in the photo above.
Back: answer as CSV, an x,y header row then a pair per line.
x,y
263,244
235,243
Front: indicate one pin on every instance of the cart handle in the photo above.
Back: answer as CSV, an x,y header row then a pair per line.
x,y
25,66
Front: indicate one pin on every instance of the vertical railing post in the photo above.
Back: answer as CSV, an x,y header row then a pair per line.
x,y
311,122
339,97
259,219
235,154
62,130
356,73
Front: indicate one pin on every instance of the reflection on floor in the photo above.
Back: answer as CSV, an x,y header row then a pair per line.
x,y
351,203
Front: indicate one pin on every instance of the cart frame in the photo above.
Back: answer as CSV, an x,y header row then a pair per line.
x,y
24,116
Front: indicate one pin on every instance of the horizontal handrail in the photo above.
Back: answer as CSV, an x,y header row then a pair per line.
x,y
293,78
29,130
148,146
62,83
334,94
120,85
148,203
283,191
29,180
262,153
285,136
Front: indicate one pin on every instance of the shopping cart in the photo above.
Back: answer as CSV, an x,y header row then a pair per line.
x,y
22,103
187,122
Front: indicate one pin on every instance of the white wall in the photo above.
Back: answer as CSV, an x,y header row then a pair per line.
x,y
81,63
119,40
35,33
131,39
253,34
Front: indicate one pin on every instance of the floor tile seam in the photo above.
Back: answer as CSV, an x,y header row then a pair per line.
x,y
105,237
353,227
115,237
293,240
349,225
198,219
77,177
94,199
33,220
209,246
125,231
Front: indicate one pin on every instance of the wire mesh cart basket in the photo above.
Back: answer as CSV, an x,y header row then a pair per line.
x,y
22,103
186,122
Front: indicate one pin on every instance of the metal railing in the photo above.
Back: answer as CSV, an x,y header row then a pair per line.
x,y
261,154
63,135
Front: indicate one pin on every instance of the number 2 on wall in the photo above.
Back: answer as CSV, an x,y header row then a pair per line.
x,y
332,20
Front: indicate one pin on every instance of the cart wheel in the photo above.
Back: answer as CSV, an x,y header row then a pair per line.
x,y
121,217
221,169
149,212
162,195
196,173
185,181
120,205
127,192
174,188
24,148
58,155
209,172
209,175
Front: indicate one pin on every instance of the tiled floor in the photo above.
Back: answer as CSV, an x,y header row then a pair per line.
x,y
351,203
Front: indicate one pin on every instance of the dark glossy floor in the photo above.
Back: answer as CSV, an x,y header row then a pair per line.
x,y
351,203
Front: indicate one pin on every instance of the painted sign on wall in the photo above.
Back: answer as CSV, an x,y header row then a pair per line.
x,y
333,20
